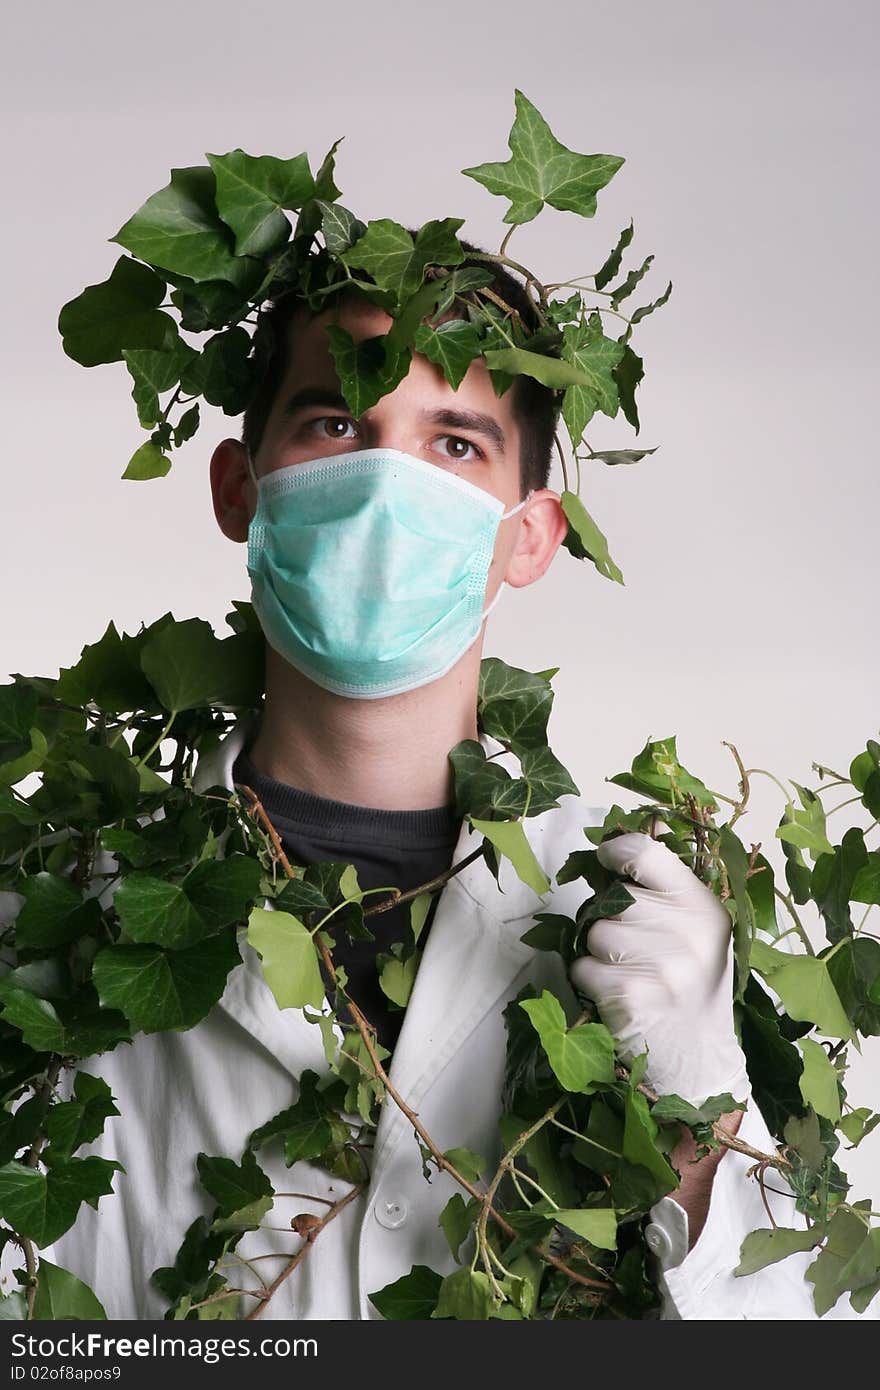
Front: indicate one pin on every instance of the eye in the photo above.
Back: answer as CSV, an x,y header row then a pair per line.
x,y
456,447
331,426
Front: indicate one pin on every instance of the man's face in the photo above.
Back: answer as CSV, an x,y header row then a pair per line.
x,y
470,432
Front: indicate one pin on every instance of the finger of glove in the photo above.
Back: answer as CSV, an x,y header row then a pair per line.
x,y
647,861
611,939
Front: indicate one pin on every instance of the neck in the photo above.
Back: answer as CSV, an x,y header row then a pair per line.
x,y
390,753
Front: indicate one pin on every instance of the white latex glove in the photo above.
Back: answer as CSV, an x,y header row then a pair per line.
x,y
661,974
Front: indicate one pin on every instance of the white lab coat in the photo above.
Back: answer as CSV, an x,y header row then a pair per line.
x,y
206,1089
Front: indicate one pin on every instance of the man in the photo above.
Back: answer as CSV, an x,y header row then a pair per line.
x,y
364,777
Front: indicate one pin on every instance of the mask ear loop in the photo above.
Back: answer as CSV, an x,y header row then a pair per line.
x,y
504,584
251,469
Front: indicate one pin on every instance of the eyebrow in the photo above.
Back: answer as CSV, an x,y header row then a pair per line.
x,y
474,420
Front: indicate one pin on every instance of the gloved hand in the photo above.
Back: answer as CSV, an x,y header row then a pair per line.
x,y
661,974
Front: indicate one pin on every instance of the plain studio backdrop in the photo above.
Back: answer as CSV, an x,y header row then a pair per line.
x,y
747,542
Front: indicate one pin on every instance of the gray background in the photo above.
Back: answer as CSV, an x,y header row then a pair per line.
x,y
748,542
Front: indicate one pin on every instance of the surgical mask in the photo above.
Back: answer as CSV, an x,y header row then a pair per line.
x,y
368,569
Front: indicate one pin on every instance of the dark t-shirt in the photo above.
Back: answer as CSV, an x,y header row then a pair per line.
x,y
398,848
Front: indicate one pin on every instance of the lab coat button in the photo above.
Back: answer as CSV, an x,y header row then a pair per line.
x,y
391,1212
657,1240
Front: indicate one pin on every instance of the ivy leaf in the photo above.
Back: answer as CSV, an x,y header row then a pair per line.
x,y
108,672
805,828
154,372
61,1297
582,1058
178,229
289,956
456,1219
585,540
513,705
221,890
157,989
233,1185
17,769
412,1297
819,1080
251,190
397,977
617,456
147,462
42,1206
452,346
805,988
509,838
224,372
366,371
763,1248
471,1165
397,261
585,346
736,862
54,913
832,882
465,1295
339,227
598,1225
554,372
547,778
541,170
120,313
639,1147
857,1124
612,265
855,970
847,1232
304,1126
672,1107
657,772
628,373
625,289
189,667
866,885
80,1121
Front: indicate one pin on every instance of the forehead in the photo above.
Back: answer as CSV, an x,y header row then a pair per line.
x,y
310,362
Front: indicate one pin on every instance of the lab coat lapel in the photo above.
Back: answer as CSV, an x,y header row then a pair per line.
x,y
472,954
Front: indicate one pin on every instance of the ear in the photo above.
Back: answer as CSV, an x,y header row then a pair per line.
x,y
232,489
542,530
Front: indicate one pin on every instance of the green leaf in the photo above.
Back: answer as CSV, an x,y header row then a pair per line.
x,y
628,373
805,988
588,350
17,769
471,1165
639,1147
109,673
251,190
846,1233
80,1121
367,370
626,287
819,1080
13,1307
233,1185
766,1247
412,1297
672,1107
339,227
465,1295
456,1219
157,989
736,862
866,885
54,913
18,710
854,968
222,890
153,910
147,462
598,1225
554,372
289,956
397,977
154,372
189,667
857,1124
225,372
304,1126
588,541
396,261
658,773
805,828
582,1057
618,456
42,1206
120,313
452,346
541,170
61,1297
612,265
832,881
178,229
509,838
513,705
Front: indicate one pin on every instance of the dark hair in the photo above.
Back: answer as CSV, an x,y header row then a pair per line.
x,y
535,407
